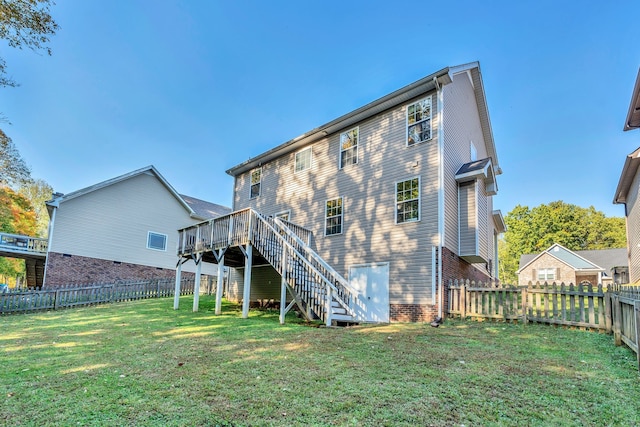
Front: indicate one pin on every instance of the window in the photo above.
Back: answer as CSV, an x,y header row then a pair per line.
x,y
408,200
285,215
256,178
547,274
157,241
333,217
419,122
349,148
303,159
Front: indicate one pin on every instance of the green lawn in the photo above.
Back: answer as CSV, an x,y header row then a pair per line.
x,y
144,364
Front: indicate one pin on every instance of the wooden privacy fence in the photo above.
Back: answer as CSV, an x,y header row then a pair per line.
x,y
615,310
79,295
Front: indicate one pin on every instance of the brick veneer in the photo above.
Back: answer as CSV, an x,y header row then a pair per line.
x,y
453,267
63,269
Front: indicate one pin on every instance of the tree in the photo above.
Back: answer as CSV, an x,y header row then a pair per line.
x,y
13,170
25,23
533,230
38,192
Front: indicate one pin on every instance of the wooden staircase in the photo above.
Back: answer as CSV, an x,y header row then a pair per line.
x,y
319,291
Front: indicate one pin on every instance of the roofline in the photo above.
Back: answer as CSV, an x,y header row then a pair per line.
x,y
397,97
629,171
55,202
633,106
498,221
562,261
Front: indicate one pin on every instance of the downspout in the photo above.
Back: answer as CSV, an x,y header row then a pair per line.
x,y
54,209
440,103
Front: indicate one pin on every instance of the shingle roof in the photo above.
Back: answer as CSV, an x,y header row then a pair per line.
x,y
205,209
604,258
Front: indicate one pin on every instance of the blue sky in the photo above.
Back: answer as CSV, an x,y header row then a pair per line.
x,y
196,87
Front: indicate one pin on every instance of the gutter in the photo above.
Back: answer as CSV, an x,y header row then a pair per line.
x,y
440,103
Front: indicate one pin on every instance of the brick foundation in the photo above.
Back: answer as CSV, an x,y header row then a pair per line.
x,y
412,312
64,269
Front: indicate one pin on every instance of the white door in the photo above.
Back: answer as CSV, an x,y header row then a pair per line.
x,y
371,281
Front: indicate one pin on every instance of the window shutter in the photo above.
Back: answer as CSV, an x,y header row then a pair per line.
x,y
533,274
558,273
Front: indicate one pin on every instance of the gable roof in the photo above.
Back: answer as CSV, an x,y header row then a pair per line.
x,y
205,209
400,96
633,116
603,260
199,213
476,170
628,174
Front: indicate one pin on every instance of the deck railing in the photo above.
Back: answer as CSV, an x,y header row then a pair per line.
x,y
20,243
285,245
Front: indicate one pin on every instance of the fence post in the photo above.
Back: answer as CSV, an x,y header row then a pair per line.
x,y
636,309
607,312
463,300
523,302
616,320
56,300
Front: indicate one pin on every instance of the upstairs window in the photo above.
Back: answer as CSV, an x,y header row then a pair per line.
x,y
419,122
349,148
303,160
333,217
156,241
256,179
408,200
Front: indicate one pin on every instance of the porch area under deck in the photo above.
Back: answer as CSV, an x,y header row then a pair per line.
x,y
246,239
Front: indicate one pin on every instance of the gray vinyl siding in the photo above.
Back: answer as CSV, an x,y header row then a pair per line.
x,y
633,229
461,126
368,189
265,284
468,218
112,223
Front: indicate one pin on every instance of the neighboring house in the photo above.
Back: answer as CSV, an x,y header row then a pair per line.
x,y
559,264
627,191
122,228
397,195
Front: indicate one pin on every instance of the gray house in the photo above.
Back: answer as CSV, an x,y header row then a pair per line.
x,y
390,201
627,191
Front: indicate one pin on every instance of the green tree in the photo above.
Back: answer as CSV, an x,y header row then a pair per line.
x,y
38,192
533,230
25,23
13,169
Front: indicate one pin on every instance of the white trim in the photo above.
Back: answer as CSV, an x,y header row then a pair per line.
x,y
395,200
295,159
285,212
166,240
341,198
357,147
441,225
406,113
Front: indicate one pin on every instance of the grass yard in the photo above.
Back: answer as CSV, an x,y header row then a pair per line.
x,y
144,364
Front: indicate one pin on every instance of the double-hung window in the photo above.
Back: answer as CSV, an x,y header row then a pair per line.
x,y
156,241
256,179
333,217
303,160
419,122
408,200
546,274
349,147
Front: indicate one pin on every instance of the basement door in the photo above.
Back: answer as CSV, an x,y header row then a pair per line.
x,y
371,281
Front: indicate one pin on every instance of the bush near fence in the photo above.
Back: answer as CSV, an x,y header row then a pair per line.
x,y
74,295
614,310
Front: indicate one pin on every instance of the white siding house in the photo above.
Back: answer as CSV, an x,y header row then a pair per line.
x,y
400,187
122,228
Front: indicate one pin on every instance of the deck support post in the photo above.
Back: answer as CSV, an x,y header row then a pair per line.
x,y
283,285
246,294
176,293
219,285
196,285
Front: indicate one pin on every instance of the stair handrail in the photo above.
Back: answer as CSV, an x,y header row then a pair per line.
x,y
352,293
304,259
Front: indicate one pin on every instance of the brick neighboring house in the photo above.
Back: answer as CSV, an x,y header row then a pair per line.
x,y
397,194
121,229
561,265
628,186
